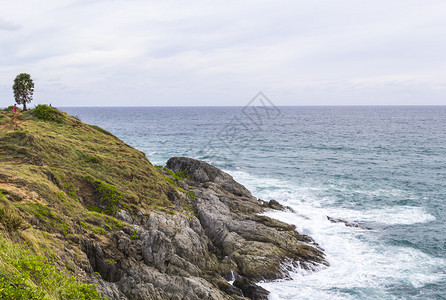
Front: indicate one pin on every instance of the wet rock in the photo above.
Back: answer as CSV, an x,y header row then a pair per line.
x,y
275,205
251,290
346,223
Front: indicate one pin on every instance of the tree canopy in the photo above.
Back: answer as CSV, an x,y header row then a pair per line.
x,y
23,89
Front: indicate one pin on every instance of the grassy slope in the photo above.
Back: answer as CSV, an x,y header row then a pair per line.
x,y
61,179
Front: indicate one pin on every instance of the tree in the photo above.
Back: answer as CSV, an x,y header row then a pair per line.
x,y
23,89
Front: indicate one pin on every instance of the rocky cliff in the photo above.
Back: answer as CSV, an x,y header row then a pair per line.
x,y
135,231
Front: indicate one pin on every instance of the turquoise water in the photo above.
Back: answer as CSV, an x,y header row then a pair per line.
x,y
382,167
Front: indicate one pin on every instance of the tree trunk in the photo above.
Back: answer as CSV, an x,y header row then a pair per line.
x,y
24,106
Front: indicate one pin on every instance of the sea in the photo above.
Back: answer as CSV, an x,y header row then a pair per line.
x,y
383,168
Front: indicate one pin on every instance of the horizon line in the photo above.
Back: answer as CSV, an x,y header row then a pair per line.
x,y
219,106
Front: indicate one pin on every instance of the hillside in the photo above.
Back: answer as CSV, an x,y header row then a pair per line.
x,y
77,201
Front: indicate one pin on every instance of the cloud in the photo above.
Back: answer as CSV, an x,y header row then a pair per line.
x,y
9,26
223,52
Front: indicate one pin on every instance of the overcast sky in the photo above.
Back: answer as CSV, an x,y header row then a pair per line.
x,y
162,53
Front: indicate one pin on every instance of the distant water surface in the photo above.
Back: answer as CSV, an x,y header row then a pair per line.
x,y
382,167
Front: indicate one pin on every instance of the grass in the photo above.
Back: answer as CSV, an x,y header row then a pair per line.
x,y
60,179
25,275
10,221
75,149
47,113
108,196
51,219
135,235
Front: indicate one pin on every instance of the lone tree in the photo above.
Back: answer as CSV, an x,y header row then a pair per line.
x,y
23,89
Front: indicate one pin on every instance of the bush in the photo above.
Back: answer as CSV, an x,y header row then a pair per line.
x,y
11,108
135,235
47,113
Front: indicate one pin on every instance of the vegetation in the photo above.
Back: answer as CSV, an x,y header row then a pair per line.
x,y
25,275
11,108
62,180
10,220
23,89
135,235
48,113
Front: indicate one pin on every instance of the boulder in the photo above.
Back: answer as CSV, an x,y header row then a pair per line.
x,y
201,172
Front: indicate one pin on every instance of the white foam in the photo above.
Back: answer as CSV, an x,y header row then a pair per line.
x,y
361,266
404,215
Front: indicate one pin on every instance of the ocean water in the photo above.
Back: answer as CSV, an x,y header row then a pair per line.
x,y
381,167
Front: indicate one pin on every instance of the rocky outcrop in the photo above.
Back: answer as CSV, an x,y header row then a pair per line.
x,y
251,290
345,222
201,172
175,255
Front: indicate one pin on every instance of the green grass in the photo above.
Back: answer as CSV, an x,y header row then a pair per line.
x,y
10,221
101,130
191,194
51,219
25,275
47,113
108,195
135,235
72,179
181,175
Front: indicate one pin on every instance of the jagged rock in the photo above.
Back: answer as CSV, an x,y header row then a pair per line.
x,y
251,290
275,205
258,245
124,216
179,256
202,172
346,223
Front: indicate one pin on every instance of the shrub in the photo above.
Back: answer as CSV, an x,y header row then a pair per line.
x,y
135,235
47,113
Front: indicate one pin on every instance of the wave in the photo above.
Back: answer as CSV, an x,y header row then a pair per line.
x,y
361,265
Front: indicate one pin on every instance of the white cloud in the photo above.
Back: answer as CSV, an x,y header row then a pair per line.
x,y
222,52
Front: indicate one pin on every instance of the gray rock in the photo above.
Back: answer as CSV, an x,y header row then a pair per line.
x,y
275,205
346,223
202,172
124,216
258,245
180,256
251,290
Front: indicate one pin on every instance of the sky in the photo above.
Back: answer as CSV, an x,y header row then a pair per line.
x,y
218,53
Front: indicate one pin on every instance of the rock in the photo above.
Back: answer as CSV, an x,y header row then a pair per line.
x,y
179,256
124,216
251,290
346,223
257,244
96,257
202,172
275,205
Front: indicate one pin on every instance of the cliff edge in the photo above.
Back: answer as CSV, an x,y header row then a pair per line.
x,y
83,203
